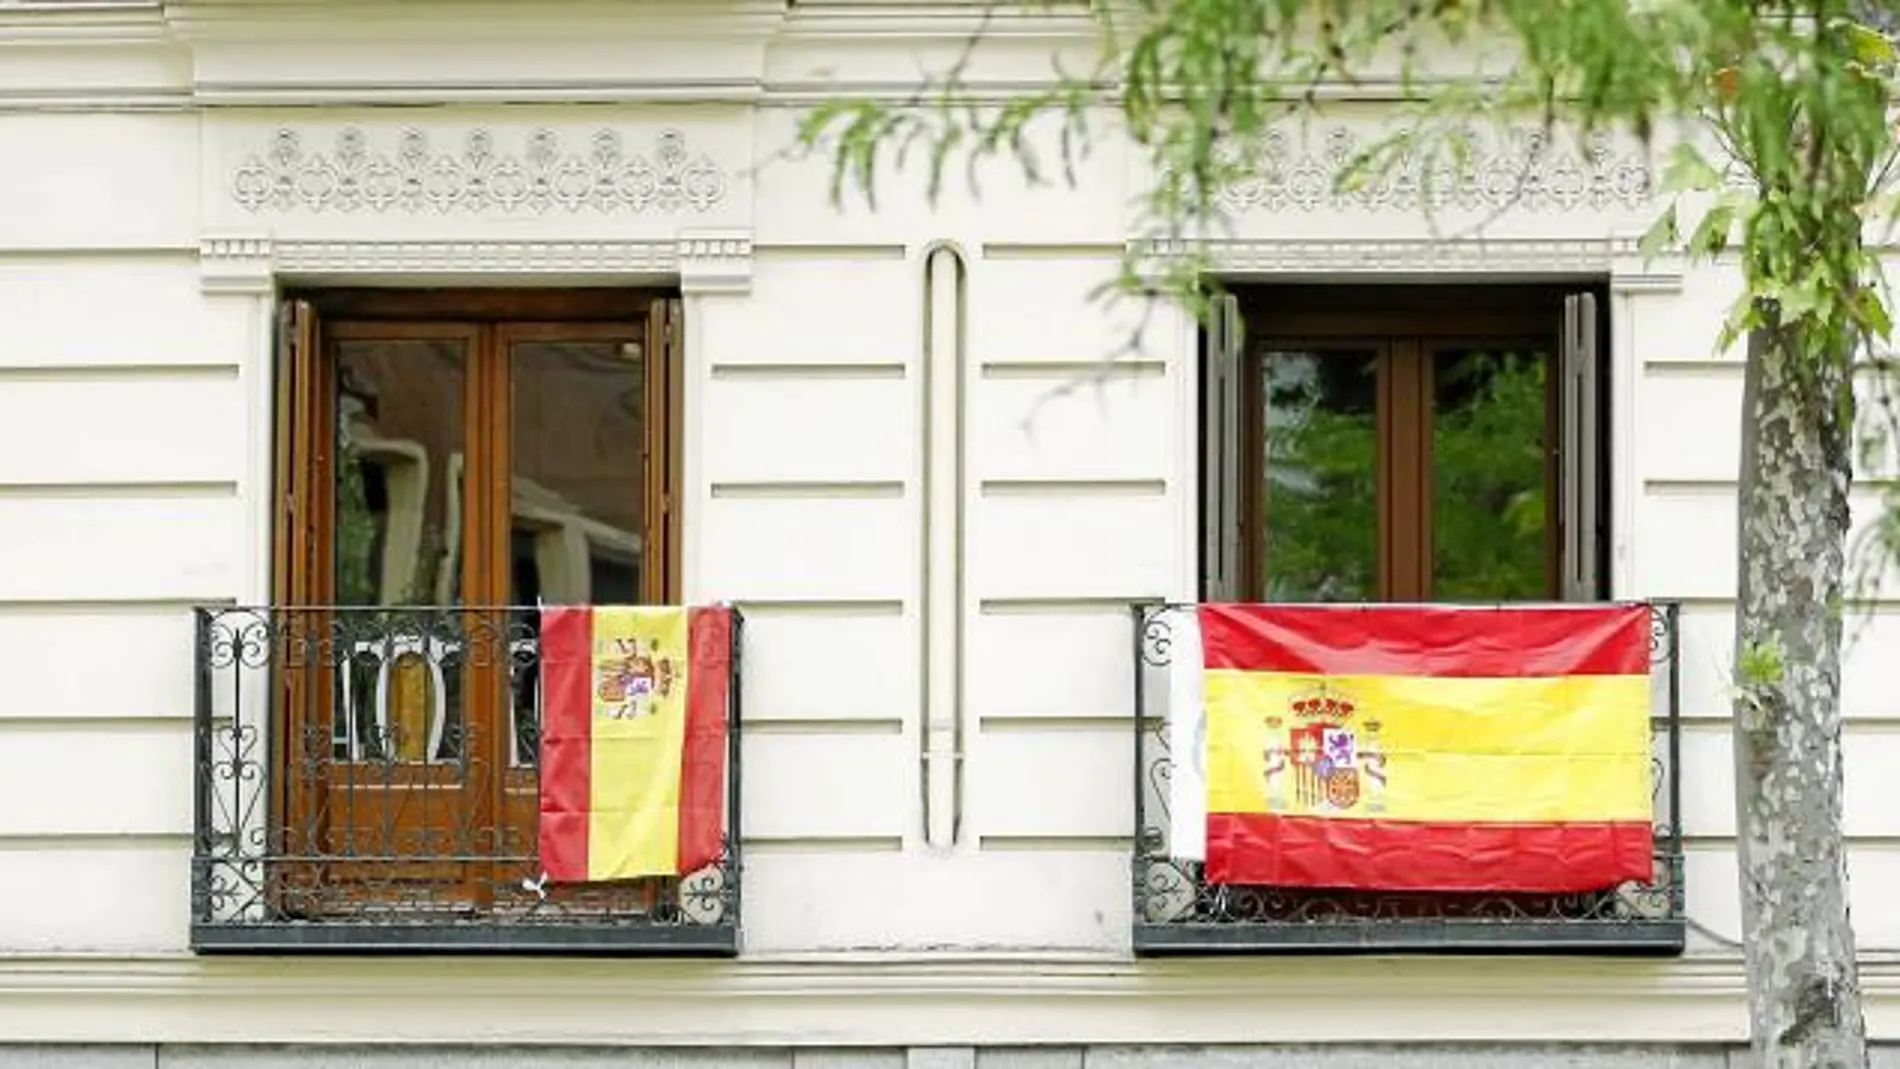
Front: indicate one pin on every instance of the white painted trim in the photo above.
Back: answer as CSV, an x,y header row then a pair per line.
x,y
893,1001
715,262
1186,357
703,262
1398,260
945,501
1626,476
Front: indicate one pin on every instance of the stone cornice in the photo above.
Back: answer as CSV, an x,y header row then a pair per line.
x,y
702,262
357,19
886,999
1616,258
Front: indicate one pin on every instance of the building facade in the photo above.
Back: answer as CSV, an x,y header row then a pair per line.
x,y
325,324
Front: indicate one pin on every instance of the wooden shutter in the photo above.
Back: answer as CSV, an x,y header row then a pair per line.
x,y
1222,342
1578,451
665,389
297,531
299,535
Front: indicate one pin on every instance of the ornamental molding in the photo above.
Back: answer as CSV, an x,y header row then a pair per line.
x,y
418,175
701,262
1520,168
715,263
1616,257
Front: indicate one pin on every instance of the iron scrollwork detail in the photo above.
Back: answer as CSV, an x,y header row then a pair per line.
x,y
343,797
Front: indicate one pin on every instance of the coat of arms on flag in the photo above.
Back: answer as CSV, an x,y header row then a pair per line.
x,y
1333,760
628,679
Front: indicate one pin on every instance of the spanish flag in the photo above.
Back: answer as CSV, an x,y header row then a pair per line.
x,y
633,740
1426,748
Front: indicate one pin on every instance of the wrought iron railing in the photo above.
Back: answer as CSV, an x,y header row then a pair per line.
x,y
1177,911
367,781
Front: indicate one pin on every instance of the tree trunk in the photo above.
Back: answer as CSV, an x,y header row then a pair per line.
x,y
1803,982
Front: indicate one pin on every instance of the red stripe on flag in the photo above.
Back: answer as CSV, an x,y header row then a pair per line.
x,y
1285,851
703,757
567,709
1425,640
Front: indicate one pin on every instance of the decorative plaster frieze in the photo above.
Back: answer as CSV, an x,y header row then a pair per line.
x,y
416,175
1616,258
720,263
1517,169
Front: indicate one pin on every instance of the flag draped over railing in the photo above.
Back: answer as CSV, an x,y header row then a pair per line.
x,y
1413,747
633,744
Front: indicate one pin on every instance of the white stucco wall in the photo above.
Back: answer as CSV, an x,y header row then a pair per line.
x,y
136,294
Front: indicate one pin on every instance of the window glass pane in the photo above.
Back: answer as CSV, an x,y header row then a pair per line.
x,y
1490,474
579,442
1319,497
398,530
579,491
399,462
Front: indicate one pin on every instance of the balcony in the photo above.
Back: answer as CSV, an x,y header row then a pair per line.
x,y
366,781
1178,912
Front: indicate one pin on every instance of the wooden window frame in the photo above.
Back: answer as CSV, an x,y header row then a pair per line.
x,y
491,318
487,322
1405,326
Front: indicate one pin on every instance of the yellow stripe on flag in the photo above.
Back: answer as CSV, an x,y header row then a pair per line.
x,y
639,728
1435,748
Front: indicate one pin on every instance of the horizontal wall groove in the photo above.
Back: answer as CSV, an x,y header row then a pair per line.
x,y
94,840
1069,488
1881,723
1009,843
1710,604
1053,250
1083,374
120,491
114,607
1060,724
824,844
95,372
818,725
821,606
1726,486
1032,605
808,371
801,489
1882,841
15,253
178,723
825,251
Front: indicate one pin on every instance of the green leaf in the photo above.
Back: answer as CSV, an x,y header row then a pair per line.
x,y
1874,315
1712,234
1687,169
1800,300
1870,45
1661,236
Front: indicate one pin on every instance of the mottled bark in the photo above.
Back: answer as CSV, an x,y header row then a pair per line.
x,y
1804,988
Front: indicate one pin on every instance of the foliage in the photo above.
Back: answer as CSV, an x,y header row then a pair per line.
x,y
1776,121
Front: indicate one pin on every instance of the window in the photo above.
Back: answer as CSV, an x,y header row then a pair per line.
x,y
446,461
1404,444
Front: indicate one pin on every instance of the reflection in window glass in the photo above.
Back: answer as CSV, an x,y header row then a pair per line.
x,y
398,502
1320,496
399,427
578,442
1489,472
